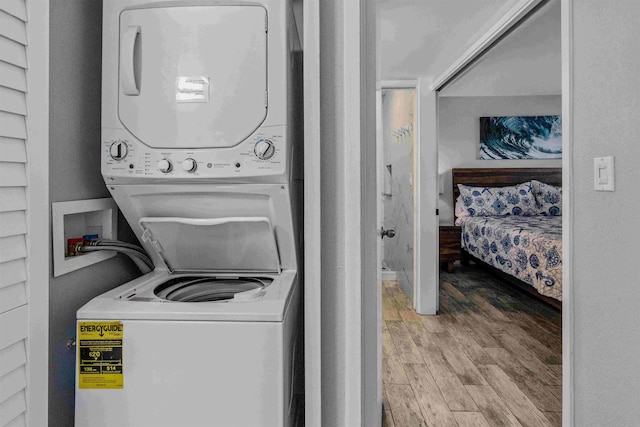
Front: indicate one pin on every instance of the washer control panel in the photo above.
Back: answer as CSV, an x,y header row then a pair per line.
x,y
264,154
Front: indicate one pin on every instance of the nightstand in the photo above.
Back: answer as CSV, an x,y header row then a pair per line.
x,y
449,246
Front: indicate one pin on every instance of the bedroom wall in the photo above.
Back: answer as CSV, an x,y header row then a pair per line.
x,y
399,111
459,130
606,225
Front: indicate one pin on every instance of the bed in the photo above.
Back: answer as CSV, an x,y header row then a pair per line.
x,y
511,221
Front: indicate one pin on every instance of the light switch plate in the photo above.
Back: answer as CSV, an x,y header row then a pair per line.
x,y
603,174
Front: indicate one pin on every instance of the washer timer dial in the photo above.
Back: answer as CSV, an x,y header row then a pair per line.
x,y
118,150
189,165
264,149
164,166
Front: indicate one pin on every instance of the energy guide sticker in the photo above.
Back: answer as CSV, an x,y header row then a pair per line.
x,y
100,362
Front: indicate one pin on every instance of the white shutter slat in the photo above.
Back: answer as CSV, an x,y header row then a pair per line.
x,y
12,125
12,248
13,272
19,421
13,150
12,199
13,52
12,408
12,383
12,357
14,325
13,101
13,28
13,77
16,8
12,297
12,175
12,223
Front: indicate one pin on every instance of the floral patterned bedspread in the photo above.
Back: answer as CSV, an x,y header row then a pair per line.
x,y
527,247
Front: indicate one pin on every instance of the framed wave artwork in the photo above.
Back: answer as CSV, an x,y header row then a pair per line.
x,y
521,137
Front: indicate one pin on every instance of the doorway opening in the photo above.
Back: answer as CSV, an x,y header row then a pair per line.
x,y
396,172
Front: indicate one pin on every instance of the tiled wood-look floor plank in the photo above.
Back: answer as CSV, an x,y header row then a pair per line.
x,y
470,419
517,402
405,347
404,406
387,416
454,392
556,390
549,337
542,352
392,369
526,380
387,419
434,408
555,418
529,360
464,337
461,364
492,407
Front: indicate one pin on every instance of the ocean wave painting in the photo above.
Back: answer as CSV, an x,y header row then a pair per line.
x,y
521,137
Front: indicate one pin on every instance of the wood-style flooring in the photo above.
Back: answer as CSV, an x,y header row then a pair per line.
x,y
491,357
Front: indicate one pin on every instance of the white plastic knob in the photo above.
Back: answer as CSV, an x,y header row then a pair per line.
x,y
118,150
189,165
264,149
164,166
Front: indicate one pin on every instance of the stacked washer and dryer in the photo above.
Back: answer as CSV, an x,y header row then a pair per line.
x,y
199,151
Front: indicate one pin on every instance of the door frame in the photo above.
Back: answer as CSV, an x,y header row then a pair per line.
x,y
425,192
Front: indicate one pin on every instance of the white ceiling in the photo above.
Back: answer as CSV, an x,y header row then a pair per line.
x,y
424,37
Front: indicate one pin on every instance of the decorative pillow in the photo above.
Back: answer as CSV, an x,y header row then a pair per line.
x,y
548,198
498,201
460,211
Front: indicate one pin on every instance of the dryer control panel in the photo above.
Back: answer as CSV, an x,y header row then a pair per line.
x,y
262,157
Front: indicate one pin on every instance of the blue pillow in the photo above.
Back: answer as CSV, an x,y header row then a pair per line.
x,y
498,201
548,198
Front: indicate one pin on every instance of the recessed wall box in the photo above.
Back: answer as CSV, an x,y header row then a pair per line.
x,y
80,218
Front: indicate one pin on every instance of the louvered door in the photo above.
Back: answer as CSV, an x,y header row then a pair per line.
x,y
14,324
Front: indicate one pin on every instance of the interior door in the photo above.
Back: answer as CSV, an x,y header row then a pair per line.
x,y
193,76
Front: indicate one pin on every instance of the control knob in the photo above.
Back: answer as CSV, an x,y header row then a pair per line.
x,y
118,150
189,165
264,149
164,166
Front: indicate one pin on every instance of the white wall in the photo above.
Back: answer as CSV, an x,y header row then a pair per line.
x,y
399,110
606,225
459,132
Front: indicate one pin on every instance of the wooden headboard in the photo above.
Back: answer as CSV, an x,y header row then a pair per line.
x,y
501,177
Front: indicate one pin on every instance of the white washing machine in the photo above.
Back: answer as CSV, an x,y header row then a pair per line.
x,y
198,138
209,337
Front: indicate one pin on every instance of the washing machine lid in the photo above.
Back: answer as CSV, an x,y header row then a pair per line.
x,y
193,76
216,245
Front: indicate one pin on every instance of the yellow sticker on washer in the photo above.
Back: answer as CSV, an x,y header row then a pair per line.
x,y
100,355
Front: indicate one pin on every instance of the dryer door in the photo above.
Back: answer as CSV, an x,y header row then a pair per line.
x,y
193,76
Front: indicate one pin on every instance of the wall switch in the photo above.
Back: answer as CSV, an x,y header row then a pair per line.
x,y
603,174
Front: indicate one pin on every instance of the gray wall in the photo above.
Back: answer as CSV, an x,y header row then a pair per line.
x,y
75,76
606,225
399,111
459,132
